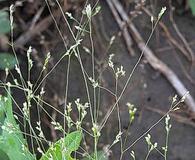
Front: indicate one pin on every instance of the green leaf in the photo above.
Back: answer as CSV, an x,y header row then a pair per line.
x,y
63,148
2,114
101,155
7,61
72,141
12,143
4,22
3,155
192,6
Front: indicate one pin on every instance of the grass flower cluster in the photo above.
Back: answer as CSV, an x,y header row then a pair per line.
x,y
73,144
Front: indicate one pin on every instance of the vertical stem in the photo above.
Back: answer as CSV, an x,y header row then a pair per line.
x,y
93,68
95,147
166,145
118,114
66,91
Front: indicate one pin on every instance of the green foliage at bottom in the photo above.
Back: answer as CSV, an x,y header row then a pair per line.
x,y
101,155
63,148
12,144
14,147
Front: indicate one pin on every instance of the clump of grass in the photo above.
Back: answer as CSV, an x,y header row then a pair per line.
x,y
69,147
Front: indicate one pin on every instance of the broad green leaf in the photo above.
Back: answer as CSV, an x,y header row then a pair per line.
x,y
7,61
4,22
63,148
72,141
192,6
101,155
12,142
3,155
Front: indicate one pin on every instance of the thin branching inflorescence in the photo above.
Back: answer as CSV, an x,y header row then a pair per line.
x,y
34,93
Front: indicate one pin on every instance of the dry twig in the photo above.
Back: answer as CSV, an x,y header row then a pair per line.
x,y
177,45
168,48
36,17
154,61
37,29
187,46
123,28
169,36
177,117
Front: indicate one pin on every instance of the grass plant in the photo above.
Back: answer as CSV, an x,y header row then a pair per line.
x,y
69,147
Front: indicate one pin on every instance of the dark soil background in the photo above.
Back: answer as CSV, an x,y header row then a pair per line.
x,y
148,90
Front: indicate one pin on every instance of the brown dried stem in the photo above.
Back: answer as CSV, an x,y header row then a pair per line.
x,y
123,28
154,61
